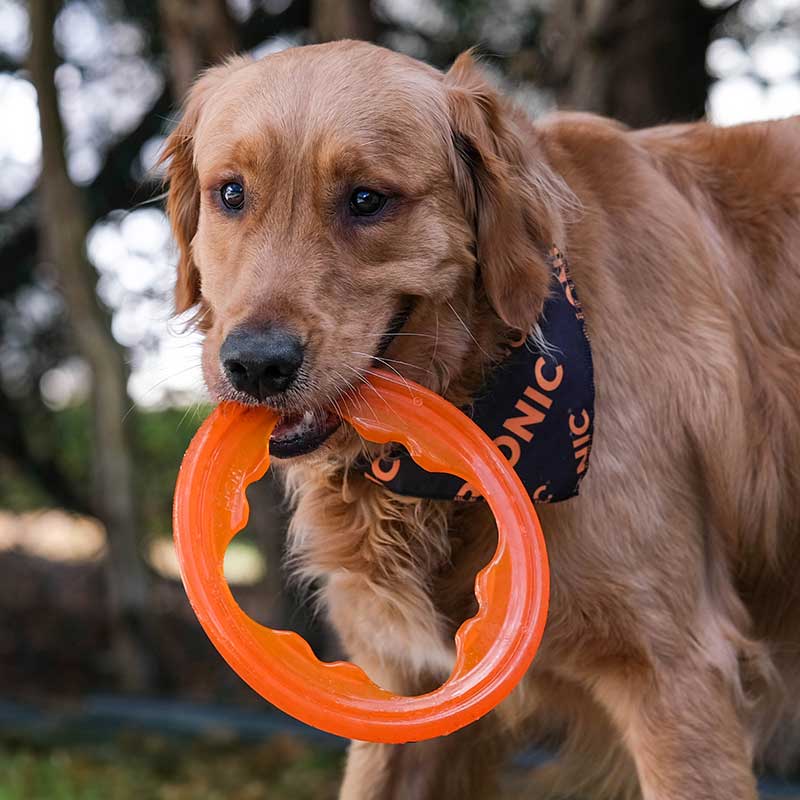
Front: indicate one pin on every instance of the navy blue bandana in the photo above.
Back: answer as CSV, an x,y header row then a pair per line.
x,y
538,407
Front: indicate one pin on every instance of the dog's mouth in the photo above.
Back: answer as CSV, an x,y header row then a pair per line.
x,y
300,433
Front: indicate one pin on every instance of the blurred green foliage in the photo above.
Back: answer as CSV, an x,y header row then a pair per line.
x,y
154,768
18,492
159,439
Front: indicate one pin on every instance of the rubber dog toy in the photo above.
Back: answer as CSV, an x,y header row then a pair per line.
x,y
493,649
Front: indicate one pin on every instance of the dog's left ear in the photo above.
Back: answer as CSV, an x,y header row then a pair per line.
x,y
511,197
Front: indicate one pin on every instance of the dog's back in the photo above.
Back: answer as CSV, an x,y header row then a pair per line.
x,y
744,183
691,279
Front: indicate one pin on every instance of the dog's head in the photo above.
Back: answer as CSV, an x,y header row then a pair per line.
x,y
341,207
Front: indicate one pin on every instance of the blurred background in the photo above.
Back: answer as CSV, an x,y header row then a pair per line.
x,y
108,687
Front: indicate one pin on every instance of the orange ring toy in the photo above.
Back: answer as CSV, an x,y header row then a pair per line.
x,y
493,649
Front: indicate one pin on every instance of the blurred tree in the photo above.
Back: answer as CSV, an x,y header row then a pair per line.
x,y
198,33
65,225
642,62
343,19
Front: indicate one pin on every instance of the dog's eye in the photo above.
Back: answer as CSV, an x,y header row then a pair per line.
x,y
366,202
232,195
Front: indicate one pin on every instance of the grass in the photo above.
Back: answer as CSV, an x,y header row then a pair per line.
x,y
151,768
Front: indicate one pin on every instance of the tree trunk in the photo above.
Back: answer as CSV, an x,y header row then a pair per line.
x,y
64,224
639,61
343,19
198,33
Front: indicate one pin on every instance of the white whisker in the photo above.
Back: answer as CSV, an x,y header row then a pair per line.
x,y
383,376
156,385
396,372
469,332
360,376
393,361
395,335
435,341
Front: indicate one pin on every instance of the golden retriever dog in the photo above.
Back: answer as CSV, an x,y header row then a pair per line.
x,y
340,203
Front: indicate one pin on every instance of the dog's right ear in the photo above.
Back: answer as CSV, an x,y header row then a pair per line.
x,y
510,195
183,197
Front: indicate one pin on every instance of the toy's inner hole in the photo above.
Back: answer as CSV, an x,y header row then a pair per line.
x,y
270,596
276,600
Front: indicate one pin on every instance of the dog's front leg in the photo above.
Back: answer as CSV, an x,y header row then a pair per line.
x,y
684,732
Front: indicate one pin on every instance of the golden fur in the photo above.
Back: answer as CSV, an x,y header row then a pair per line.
x,y
670,659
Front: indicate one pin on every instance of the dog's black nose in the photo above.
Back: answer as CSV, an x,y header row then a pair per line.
x,y
261,362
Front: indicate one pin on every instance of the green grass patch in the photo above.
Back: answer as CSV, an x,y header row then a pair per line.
x,y
152,768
